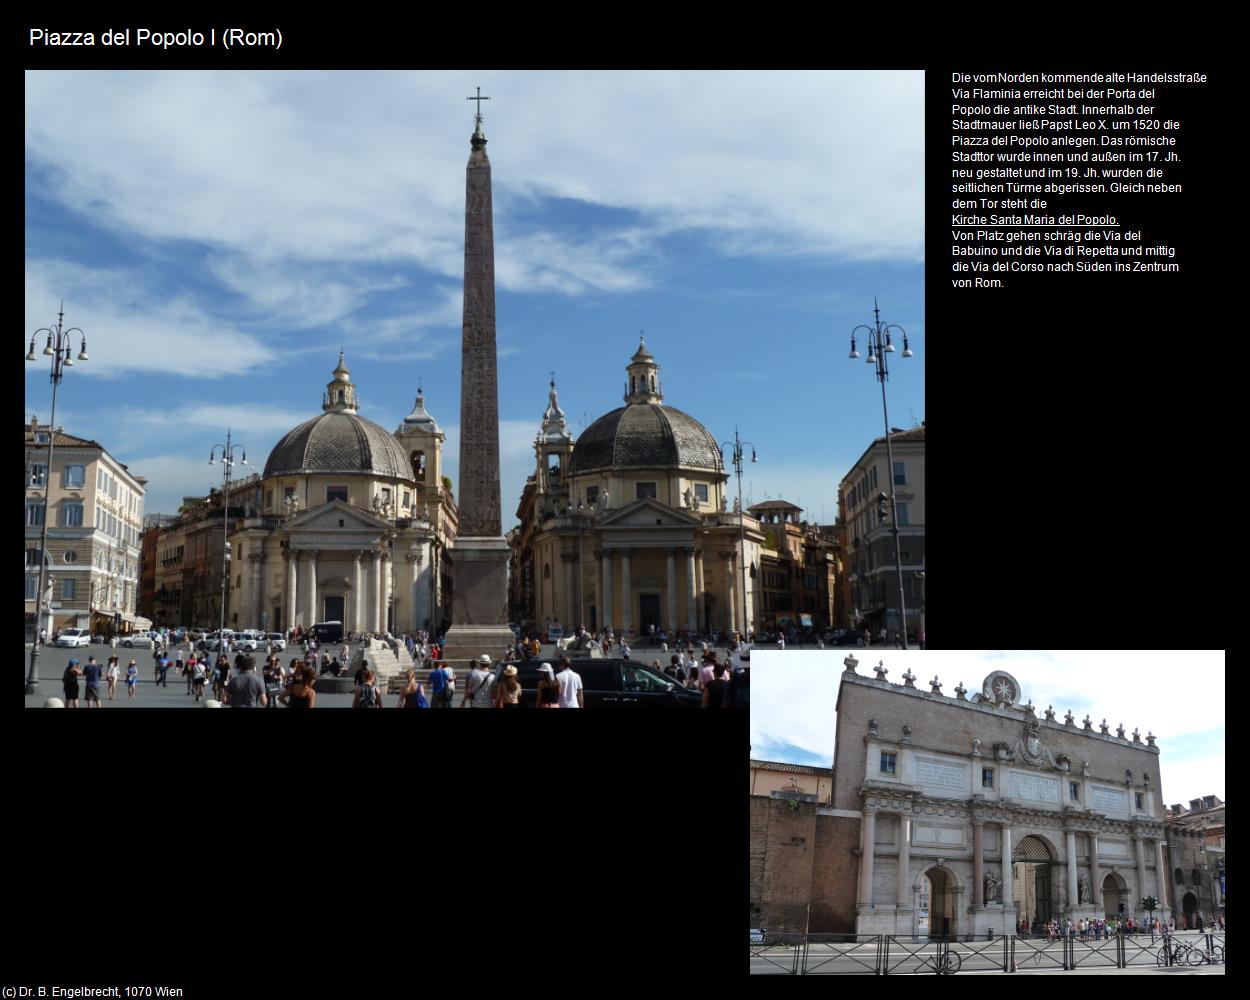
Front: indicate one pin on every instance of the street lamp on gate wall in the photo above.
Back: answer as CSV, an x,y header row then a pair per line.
x,y
61,352
737,447
879,345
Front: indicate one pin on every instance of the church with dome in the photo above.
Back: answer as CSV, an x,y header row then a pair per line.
x,y
350,523
629,526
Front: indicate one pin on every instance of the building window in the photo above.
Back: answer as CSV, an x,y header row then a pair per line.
x,y
67,590
418,464
987,777
902,513
336,493
268,499
592,494
386,494
1180,877
31,584
1140,803
41,437
887,763
38,473
700,492
407,499
34,513
70,556
32,557
1074,791
900,474
71,513
644,490
75,476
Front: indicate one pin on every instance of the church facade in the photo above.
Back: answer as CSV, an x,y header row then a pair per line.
x,y
348,522
629,526
961,814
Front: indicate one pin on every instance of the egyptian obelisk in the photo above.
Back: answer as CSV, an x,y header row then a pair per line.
x,y
480,552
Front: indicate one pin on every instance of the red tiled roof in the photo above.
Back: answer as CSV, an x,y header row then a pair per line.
x,y
769,765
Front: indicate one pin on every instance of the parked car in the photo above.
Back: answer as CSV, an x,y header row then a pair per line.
x,y
328,633
249,640
139,641
74,637
611,683
276,638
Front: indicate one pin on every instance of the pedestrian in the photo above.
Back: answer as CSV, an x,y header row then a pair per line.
x,y
156,660
440,693
508,690
477,687
132,678
548,693
367,695
300,693
692,679
198,677
920,638
111,675
571,695
221,675
188,671
781,640
162,671
69,680
43,637
272,676
412,696
245,689
715,690
92,673
113,642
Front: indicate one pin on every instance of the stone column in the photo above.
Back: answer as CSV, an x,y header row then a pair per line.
x,y
904,863
303,587
607,589
414,589
978,864
312,587
869,835
692,612
699,586
1005,865
731,615
671,624
388,588
627,594
1161,876
1095,882
358,582
291,589
572,584
258,587
1140,843
375,609
1070,837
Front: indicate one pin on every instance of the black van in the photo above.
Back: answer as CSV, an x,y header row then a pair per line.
x,y
328,633
611,683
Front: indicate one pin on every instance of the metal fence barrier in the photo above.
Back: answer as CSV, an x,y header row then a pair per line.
x,y
888,955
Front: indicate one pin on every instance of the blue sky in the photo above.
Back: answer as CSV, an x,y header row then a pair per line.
x,y
794,697
219,236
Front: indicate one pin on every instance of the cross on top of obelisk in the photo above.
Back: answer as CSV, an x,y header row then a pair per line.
x,y
479,100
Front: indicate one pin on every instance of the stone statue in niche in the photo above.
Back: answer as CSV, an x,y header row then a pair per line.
x,y
992,885
1082,883
872,727
976,747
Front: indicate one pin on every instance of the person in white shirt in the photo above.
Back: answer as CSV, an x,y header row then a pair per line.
x,y
570,683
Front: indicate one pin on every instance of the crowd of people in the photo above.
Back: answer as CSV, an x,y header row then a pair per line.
x,y
1098,928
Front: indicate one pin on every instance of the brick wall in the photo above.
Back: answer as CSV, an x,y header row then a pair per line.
x,y
783,845
835,871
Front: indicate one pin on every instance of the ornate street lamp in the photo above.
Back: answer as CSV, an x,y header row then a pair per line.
x,y
579,514
60,350
227,464
879,345
742,540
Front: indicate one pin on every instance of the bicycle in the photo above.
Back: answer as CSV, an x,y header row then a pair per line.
x,y
943,965
1199,956
1178,949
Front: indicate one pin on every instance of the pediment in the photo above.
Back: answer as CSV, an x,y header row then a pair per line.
x,y
327,517
645,513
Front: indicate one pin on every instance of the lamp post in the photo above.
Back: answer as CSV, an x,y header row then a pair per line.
x,y
742,538
59,349
227,463
879,345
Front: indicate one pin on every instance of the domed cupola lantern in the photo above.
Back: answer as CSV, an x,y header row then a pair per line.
x,y
644,377
340,393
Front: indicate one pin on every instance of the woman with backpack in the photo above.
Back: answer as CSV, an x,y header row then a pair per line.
x,y
412,696
198,676
367,695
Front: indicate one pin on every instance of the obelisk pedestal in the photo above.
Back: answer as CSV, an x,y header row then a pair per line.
x,y
479,554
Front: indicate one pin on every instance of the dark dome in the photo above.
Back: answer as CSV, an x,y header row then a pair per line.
x,y
341,442
645,434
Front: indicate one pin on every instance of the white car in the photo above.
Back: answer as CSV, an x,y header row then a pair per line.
x,y
249,641
145,641
74,637
279,643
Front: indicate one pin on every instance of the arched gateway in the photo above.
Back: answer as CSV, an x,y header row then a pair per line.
x,y
970,815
